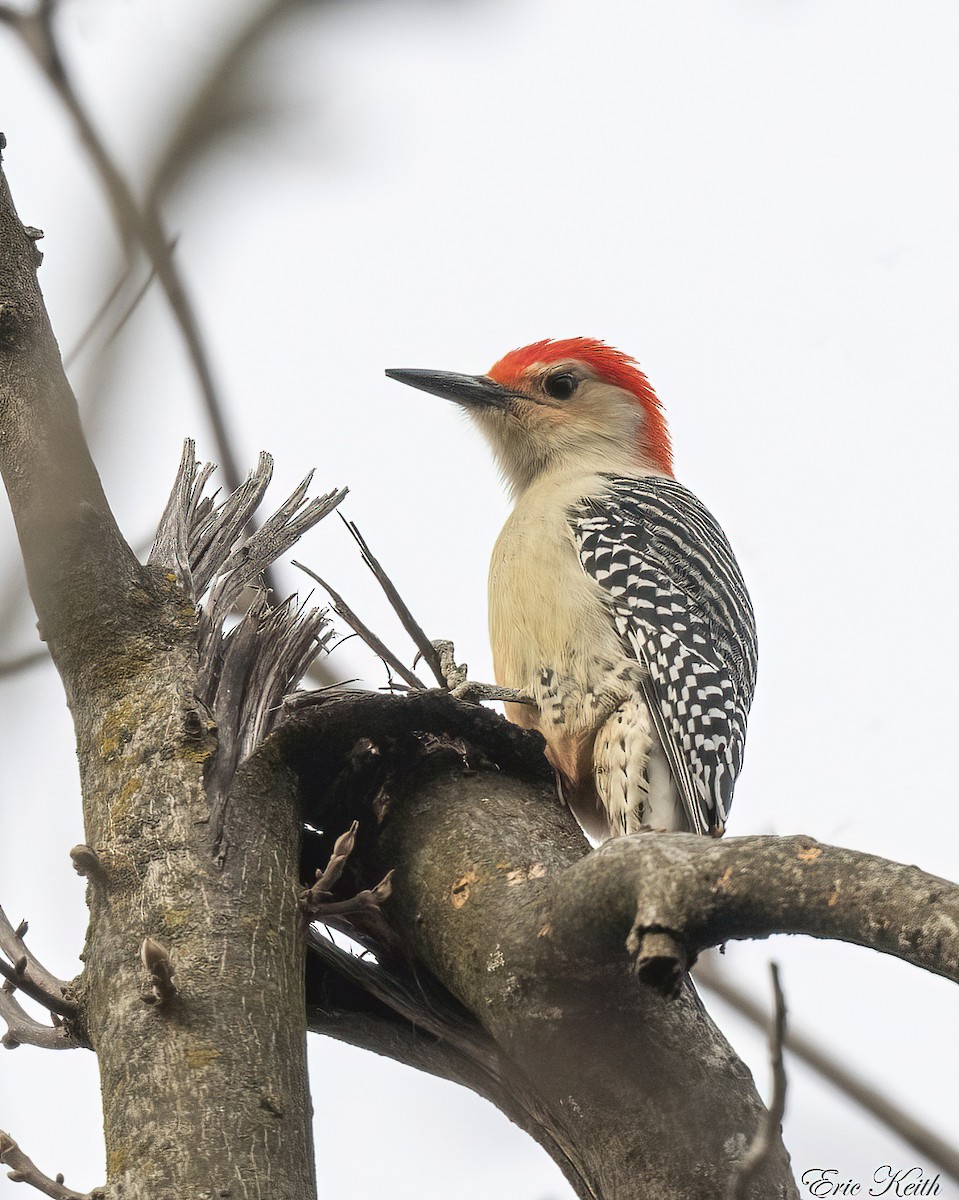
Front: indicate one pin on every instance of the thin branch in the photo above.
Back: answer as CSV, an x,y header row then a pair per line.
x,y
399,606
100,315
327,879
379,648
23,1030
214,109
24,971
24,1170
23,662
363,908
769,1132
927,1144
143,226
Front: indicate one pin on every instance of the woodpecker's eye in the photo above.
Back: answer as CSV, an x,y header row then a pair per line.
x,y
561,386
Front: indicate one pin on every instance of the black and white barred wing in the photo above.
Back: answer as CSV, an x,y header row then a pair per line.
x,y
680,604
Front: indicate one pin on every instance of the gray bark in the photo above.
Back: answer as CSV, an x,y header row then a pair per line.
x,y
635,1094
205,1094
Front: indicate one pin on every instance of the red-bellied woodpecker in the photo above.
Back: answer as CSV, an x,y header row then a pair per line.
x,y
615,601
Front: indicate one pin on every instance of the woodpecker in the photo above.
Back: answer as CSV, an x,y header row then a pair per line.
x,y
616,604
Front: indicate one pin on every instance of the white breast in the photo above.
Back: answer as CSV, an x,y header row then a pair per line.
x,y
549,626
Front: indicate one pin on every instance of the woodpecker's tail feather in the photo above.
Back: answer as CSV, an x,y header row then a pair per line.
x,y
583,801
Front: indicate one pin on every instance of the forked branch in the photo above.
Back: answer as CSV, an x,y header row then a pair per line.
x,y
82,574
24,972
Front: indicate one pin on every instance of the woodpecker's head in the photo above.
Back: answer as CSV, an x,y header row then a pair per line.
x,y
573,404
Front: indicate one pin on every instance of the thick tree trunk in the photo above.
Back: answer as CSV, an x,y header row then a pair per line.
x,y
205,1095
204,1092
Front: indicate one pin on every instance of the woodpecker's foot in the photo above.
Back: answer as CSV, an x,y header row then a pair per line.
x,y
476,693
317,902
453,673
463,688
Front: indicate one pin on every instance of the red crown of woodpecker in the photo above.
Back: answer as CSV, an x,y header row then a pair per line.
x,y
610,365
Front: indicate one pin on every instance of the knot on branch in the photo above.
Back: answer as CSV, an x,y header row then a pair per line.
x,y
349,749
11,325
86,861
660,958
156,959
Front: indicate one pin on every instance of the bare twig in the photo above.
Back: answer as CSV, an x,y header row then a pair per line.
x,y
929,1145
379,648
23,662
100,315
24,1170
317,902
342,849
768,1134
23,1030
219,103
135,224
23,971
407,620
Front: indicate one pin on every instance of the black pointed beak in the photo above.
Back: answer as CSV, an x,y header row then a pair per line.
x,y
472,391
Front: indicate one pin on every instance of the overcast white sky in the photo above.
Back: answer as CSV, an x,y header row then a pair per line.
x,y
757,198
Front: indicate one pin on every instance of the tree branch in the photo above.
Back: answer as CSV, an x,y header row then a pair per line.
x,y
375,643
23,1030
763,1144
423,644
23,662
699,892
645,1100
23,971
24,1170
71,544
136,224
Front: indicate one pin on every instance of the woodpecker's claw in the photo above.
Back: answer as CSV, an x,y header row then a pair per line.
x,y
453,673
477,692
459,685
